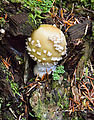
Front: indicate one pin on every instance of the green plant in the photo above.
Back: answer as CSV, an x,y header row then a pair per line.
x,y
15,1
87,3
9,78
37,8
2,22
14,86
58,72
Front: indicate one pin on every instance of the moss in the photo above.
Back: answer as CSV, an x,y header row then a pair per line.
x,y
58,72
49,104
36,9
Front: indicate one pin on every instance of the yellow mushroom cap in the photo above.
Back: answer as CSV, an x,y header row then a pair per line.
x,y
47,44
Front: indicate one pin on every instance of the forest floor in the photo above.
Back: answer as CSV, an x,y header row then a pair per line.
x,y
68,92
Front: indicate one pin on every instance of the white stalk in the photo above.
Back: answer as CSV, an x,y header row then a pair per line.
x,y
41,69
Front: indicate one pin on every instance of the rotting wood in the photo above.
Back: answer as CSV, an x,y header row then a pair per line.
x,y
78,30
78,46
19,24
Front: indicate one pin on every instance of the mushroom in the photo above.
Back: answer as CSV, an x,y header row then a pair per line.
x,y
46,45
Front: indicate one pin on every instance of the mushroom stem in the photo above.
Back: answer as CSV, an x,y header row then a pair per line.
x,y
41,69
